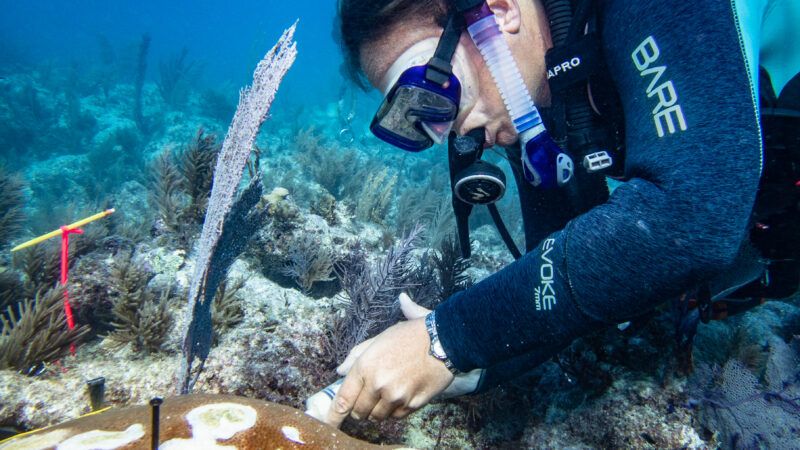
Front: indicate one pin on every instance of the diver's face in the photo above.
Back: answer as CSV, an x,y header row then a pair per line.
x,y
410,45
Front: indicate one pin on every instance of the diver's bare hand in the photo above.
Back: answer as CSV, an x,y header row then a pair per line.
x,y
393,376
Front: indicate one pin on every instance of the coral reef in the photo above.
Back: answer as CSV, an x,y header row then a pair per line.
x,y
328,163
11,202
36,333
371,292
226,311
180,184
10,288
451,268
140,317
197,163
165,184
175,76
376,195
40,265
746,414
746,385
194,421
309,262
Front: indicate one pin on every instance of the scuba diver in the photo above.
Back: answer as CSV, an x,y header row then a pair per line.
x,y
695,106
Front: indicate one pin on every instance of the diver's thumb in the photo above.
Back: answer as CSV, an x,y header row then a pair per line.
x,y
410,309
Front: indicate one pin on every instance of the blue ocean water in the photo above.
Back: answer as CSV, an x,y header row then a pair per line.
x,y
227,38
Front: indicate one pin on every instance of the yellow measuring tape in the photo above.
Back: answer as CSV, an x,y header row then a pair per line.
x,y
17,436
58,232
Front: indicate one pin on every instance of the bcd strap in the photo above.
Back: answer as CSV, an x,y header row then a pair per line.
x,y
575,59
573,64
440,66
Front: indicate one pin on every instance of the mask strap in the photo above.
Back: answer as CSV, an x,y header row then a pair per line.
x,y
440,67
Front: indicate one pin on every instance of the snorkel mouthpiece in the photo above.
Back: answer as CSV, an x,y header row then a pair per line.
x,y
544,163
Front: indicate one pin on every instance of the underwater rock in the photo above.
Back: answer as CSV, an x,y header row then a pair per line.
x,y
193,422
165,264
55,180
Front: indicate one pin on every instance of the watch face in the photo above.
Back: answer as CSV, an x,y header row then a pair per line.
x,y
437,350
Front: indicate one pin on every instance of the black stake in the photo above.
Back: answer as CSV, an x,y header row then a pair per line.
x,y
155,403
97,392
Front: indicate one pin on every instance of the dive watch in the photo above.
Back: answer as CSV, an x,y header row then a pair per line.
x,y
436,350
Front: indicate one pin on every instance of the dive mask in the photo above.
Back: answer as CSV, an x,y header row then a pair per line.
x,y
418,112
422,105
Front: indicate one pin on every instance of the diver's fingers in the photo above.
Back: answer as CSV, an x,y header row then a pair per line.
x,y
367,399
410,309
385,408
348,362
402,412
345,399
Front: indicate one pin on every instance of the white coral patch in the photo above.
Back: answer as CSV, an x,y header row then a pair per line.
x,y
292,434
220,420
39,441
103,440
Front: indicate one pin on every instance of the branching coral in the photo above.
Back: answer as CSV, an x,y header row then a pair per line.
x,y
140,318
375,200
371,291
329,164
180,184
441,222
10,288
226,311
143,320
176,74
418,199
451,268
40,265
424,289
165,188
36,333
197,169
12,198
439,274
429,205
309,262
325,207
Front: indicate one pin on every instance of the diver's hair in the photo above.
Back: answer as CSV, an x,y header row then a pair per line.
x,y
362,21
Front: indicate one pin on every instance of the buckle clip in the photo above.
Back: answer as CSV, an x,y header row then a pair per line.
x,y
597,161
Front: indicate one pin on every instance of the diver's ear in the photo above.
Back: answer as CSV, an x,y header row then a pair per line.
x,y
508,14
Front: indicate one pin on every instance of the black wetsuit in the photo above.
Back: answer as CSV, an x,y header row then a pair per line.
x,y
693,164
